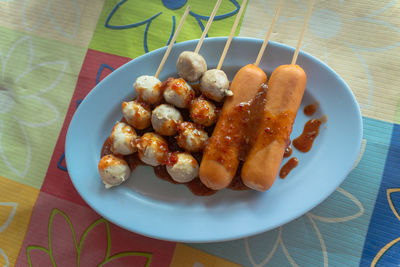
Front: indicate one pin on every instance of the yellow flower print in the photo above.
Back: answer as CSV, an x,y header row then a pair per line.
x,y
383,250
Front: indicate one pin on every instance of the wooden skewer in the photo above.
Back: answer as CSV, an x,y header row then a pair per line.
x,y
207,26
228,42
296,53
166,54
264,45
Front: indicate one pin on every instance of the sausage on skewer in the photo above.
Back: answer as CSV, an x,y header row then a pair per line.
x,y
221,155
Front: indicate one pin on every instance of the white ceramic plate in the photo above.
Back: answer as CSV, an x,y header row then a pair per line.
x,y
152,207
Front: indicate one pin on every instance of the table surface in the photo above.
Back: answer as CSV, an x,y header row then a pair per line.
x,y
53,53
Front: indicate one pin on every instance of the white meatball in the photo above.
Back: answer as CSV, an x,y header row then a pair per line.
x,y
153,149
203,112
137,114
185,169
215,85
113,170
123,139
148,89
165,119
191,66
179,93
191,138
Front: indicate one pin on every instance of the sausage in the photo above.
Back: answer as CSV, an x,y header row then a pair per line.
x,y
285,90
221,154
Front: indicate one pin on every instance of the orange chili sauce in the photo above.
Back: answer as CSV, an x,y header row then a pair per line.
x,y
289,165
304,142
309,110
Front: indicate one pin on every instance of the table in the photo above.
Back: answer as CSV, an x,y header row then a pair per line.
x,y
53,53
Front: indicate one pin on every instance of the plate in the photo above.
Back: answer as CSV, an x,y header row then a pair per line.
x,y
149,206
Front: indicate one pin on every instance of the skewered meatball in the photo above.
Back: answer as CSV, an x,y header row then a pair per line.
x,y
191,138
137,114
148,89
179,93
215,85
185,169
152,149
165,119
113,170
203,112
191,66
123,139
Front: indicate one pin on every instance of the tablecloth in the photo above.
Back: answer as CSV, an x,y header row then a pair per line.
x,y
53,52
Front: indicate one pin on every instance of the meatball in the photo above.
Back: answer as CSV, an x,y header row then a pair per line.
x,y
153,149
185,169
137,114
165,119
191,138
148,89
191,66
215,85
123,139
179,93
203,112
113,170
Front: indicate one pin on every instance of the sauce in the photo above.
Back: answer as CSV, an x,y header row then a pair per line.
x,y
161,172
237,183
231,127
133,161
288,152
309,110
164,84
290,165
196,88
195,186
236,125
106,149
304,142
199,189
273,128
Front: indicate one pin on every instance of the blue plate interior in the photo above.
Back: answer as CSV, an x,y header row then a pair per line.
x,y
152,207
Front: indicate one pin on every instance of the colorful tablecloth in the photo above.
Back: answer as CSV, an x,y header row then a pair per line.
x,y
53,52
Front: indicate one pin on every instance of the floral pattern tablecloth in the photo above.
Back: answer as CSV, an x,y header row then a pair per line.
x,y
53,52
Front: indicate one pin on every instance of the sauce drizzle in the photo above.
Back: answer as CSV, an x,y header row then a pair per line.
x,y
288,152
290,165
304,142
309,110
